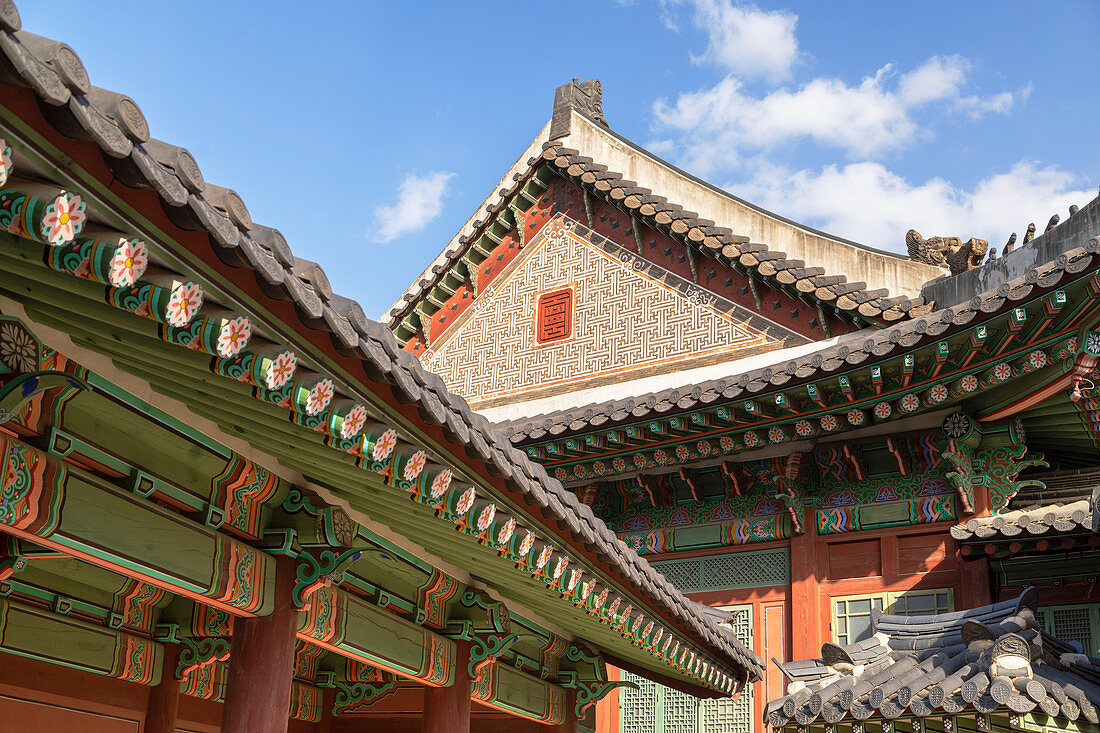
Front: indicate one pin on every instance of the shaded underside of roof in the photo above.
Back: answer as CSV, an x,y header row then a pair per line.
x,y
1055,503
985,660
1052,487
116,125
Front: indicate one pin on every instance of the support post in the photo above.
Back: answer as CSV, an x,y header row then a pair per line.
x,y
975,582
569,720
805,612
261,664
328,698
607,709
160,716
447,709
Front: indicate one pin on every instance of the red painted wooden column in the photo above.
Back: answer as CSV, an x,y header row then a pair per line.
x,y
328,698
160,716
805,601
447,709
607,709
975,582
261,664
569,720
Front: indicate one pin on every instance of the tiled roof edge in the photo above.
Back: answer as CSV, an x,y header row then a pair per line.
x,y
880,344
116,124
704,236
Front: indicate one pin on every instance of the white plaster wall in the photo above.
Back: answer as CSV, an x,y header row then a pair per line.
x,y
898,274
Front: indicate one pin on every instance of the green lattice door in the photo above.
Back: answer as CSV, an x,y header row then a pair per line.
x,y
653,708
1080,623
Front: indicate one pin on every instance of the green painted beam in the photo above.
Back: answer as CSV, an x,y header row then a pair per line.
x,y
52,306
69,509
38,634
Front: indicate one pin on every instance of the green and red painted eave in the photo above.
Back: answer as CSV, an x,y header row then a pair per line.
x,y
84,169
1019,360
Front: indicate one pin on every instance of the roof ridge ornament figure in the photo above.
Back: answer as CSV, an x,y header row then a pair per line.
x,y
1010,657
585,97
949,252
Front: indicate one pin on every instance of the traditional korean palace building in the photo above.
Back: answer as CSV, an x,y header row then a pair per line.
x,y
632,455
823,441
231,502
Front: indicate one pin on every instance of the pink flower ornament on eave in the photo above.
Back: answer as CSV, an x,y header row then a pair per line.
x,y
64,219
320,396
387,441
415,465
184,304
353,423
128,263
234,336
280,370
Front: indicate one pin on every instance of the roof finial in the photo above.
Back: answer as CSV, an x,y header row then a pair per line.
x,y
585,97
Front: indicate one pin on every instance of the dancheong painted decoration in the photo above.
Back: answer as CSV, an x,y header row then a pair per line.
x,y
602,460
808,452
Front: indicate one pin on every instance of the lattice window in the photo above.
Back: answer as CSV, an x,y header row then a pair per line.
x,y
922,604
740,570
852,618
1080,623
731,570
852,614
554,316
638,708
657,709
681,712
684,574
727,716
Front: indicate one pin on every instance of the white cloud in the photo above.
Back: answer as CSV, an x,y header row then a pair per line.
x,y
976,107
728,127
744,39
419,201
937,78
872,205
711,128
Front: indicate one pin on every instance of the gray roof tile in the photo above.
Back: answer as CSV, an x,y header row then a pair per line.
x,y
942,664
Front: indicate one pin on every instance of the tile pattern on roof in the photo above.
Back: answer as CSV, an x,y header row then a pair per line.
x,y
900,336
701,235
1036,520
117,126
989,659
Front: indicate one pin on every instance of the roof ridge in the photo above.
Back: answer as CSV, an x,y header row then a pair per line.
x,y
117,126
703,235
905,334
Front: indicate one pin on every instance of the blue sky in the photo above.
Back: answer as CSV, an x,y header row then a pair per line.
x,y
369,131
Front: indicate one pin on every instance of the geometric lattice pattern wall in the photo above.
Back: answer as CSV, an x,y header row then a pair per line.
x,y
729,716
623,320
638,708
653,708
729,570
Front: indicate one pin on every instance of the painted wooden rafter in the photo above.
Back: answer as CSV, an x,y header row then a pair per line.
x,y
900,395
182,303
322,525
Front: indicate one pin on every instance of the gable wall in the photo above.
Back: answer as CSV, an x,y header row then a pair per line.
x,y
716,277
878,269
446,325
